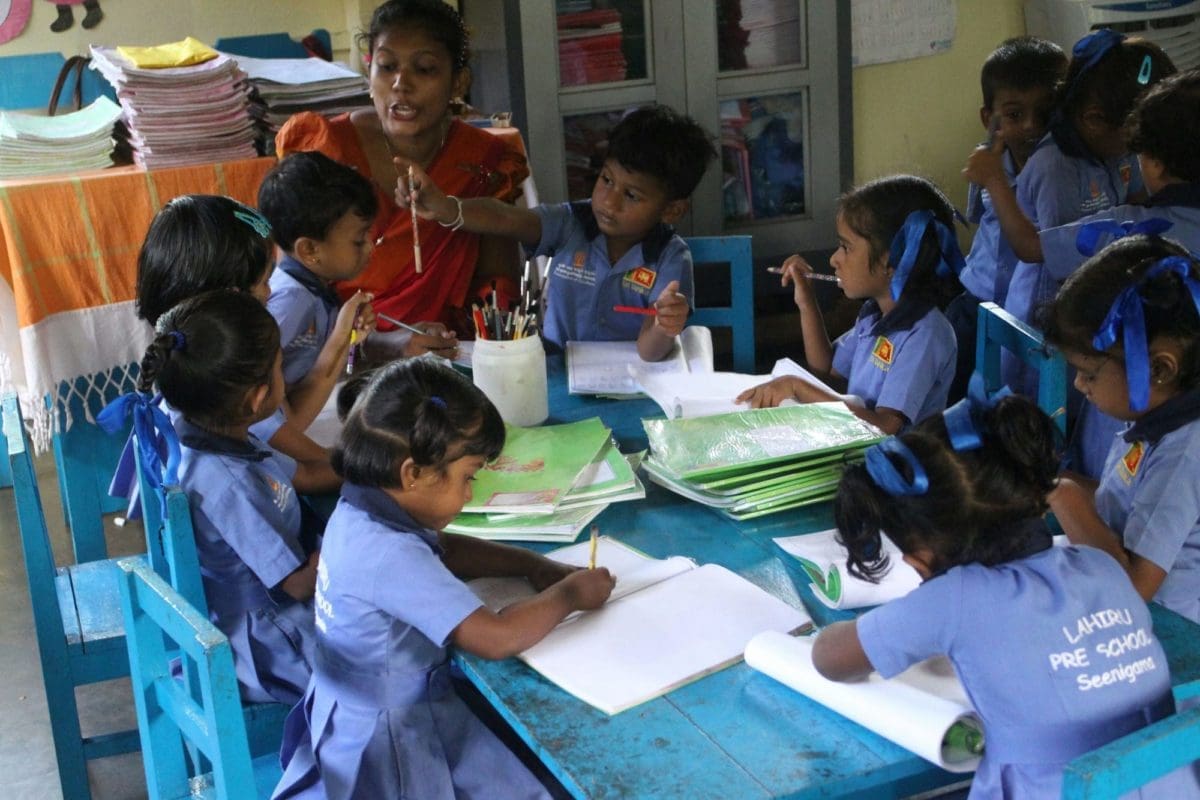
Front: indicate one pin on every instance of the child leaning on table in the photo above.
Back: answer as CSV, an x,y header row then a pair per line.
x,y
1034,631
618,248
380,718
897,251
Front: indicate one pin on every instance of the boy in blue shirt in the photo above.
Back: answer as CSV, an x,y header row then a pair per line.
x,y
617,249
1018,81
321,214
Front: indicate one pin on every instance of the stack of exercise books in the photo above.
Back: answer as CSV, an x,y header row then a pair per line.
x,y
548,484
286,86
590,47
178,115
37,145
751,463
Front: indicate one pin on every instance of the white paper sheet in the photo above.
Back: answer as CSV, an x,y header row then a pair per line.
x,y
914,709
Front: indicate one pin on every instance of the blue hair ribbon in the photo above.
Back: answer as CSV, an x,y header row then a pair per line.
x,y
1093,47
1087,241
906,244
149,425
1127,317
254,219
178,340
885,475
964,419
437,401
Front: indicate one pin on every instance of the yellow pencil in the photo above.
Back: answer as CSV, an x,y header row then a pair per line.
x,y
595,538
415,218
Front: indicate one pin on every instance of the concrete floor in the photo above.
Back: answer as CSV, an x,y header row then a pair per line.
x,y
27,766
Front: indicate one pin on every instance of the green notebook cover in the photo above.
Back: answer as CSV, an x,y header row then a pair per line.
x,y
725,444
537,467
561,526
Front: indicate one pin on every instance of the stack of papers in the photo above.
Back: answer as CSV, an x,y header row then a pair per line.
x,y
773,32
613,369
548,484
590,47
37,145
286,86
174,116
751,463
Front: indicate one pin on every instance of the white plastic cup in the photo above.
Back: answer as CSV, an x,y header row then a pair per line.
x,y
513,376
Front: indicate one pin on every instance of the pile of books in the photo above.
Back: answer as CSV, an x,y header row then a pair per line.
x,y
589,47
286,86
38,145
752,463
548,484
173,116
760,33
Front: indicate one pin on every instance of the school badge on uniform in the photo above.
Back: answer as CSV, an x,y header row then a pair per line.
x,y
883,352
641,279
580,258
1126,172
1127,467
281,494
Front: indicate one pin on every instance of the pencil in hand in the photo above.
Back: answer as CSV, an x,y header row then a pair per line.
x,y
595,539
812,276
415,219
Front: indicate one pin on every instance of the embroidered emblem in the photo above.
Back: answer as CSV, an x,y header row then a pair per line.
x,y
1126,173
882,352
1127,467
580,258
281,493
641,278
1094,188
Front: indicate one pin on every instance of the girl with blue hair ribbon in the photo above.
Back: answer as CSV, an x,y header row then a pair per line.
x,y
898,252
1129,322
1025,624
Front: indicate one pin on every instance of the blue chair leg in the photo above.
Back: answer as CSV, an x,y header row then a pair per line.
x,y
64,728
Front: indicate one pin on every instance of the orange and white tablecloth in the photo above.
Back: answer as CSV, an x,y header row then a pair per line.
x,y
68,271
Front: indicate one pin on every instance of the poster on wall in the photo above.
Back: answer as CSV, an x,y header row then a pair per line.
x,y
895,30
14,16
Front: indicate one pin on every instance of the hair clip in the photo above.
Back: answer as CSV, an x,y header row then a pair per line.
x,y
906,244
1144,73
254,219
1127,316
964,418
178,340
885,475
1087,241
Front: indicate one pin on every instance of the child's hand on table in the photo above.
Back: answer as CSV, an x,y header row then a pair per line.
x,y
436,338
587,589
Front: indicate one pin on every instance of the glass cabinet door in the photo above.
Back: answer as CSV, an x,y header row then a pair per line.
x,y
601,41
757,34
762,157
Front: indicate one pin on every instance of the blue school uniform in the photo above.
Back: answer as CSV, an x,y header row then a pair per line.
x,y
1081,665
902,360
247,522
1150,495
305,308
584,285
1178,204
380,718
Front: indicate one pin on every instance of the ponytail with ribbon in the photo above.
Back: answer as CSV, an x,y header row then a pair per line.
x,y
906,245
150,425
885,475
1087,241
1126,317
964,419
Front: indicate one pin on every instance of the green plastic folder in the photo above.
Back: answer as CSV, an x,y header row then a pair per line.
x,y
722,445
537,467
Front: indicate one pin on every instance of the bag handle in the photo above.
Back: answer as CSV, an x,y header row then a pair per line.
x,y
73,64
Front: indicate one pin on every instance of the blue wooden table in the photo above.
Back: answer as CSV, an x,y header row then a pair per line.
x,y
736,733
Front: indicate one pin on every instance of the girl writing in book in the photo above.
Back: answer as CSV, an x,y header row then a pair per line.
x,y
897,251
380,718
216,360
1129,322
962,497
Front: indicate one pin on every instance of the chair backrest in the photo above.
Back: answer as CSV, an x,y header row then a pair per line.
x,y
29,79
270,45
738,315
168,716
1000,330
1134,760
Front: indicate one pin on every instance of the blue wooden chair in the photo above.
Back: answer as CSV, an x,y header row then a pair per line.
x,y
28,80
999,330
738,316
77,618
171,720
270,45
1136,759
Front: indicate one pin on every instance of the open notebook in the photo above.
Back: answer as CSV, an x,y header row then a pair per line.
x,y
667,623
608,368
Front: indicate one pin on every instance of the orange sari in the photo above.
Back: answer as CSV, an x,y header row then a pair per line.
x,y
472,163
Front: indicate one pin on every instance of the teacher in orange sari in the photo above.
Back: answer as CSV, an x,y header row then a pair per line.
x,y
418,51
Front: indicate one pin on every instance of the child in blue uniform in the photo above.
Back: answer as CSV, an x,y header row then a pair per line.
x,y
216,360
201,243
380,718
1018,81
1129,322
897,251
619,248
1026,625
321,214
